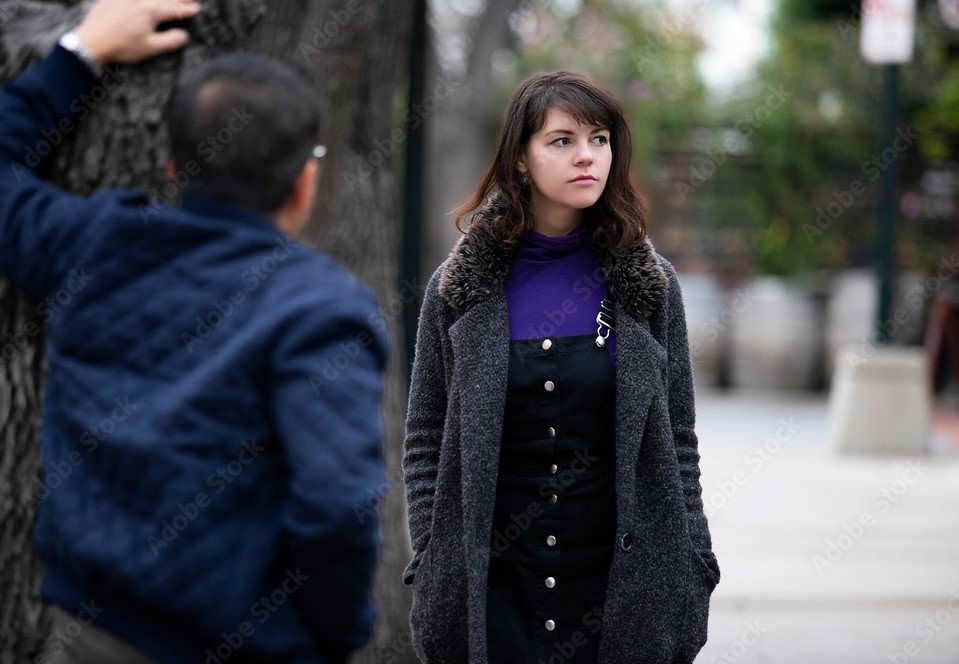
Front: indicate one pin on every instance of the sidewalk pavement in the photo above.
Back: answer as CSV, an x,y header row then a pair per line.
x,y
826,559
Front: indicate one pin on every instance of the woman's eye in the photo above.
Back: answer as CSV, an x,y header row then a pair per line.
x,y
559,142
601,140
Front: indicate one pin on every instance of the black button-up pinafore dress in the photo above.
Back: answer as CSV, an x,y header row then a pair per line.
x,y
554,521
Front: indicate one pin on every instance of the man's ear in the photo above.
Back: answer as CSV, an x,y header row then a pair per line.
x,y
295,211
305,186
169,170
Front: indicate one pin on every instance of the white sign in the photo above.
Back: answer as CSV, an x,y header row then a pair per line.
x,y
887,31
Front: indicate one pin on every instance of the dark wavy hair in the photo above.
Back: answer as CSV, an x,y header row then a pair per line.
x,y
618,218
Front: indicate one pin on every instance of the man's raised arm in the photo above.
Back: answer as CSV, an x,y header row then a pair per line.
x,y
39,223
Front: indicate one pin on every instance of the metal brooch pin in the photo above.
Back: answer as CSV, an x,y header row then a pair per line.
x,y
604,319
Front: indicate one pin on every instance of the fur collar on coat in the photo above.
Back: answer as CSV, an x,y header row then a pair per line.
x,y
479,263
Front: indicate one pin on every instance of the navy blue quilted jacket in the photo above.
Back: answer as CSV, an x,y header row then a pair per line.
x,y
211,430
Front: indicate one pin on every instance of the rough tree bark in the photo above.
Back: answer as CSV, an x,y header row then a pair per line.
x,y
356,52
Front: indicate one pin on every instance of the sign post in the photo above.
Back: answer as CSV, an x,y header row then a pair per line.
x,y
886,38
878,400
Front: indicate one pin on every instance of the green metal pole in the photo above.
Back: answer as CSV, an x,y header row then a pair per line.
x,y
885,257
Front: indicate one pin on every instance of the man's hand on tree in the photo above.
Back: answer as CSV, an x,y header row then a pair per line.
x,y
126,30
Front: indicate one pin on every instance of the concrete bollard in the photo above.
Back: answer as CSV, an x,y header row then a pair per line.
x,y
879,403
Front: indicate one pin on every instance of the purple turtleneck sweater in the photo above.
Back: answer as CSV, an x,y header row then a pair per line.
x,y
554,286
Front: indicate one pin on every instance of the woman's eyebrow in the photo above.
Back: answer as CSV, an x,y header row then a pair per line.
x,y
567,131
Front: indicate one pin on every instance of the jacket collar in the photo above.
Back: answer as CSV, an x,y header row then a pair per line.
x,y
478,265
212,208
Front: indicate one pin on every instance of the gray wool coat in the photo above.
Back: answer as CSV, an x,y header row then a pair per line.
x,y
663,570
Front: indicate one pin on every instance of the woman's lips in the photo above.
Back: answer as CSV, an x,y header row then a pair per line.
x,y
584,179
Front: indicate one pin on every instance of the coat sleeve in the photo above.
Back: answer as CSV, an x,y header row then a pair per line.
x,y
682,416
326,389
40,224
425,420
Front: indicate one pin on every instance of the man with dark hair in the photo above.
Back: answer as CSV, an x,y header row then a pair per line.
x,y
211,418
209,112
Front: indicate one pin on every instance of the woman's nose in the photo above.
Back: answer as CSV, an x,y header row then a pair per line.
x,y
583,155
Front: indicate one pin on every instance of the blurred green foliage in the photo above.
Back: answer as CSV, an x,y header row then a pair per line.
x,y
815,178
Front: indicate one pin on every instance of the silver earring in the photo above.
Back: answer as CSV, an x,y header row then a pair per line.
x,y
524,178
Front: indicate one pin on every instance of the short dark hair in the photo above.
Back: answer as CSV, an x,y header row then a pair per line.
x,y
249,123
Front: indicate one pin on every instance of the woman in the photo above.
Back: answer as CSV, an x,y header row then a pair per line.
x,y
551,465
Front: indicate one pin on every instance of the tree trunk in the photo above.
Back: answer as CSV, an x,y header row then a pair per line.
x,y
461,134
21,382
356,53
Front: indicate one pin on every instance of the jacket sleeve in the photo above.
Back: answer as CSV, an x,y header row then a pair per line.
x,y
682,416
326,392
40,224
425,420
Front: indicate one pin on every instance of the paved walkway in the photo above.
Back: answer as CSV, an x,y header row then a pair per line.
x,y
827,559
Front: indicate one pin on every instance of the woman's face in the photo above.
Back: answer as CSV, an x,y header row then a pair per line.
x,y
568,165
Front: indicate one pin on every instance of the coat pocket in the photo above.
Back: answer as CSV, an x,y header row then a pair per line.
x,y
420,609
437,617
696,621
708,574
